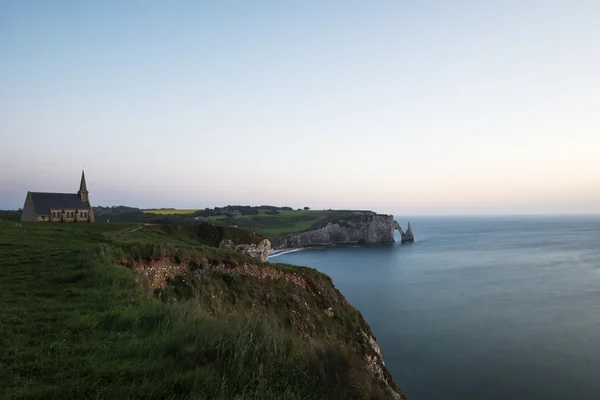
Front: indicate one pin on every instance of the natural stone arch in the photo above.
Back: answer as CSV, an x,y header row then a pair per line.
x,y
407,236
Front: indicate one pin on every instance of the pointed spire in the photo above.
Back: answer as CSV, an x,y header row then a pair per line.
x,y
408,235
83,192
82,185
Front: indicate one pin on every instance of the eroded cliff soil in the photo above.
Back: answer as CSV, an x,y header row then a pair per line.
x,y
300,299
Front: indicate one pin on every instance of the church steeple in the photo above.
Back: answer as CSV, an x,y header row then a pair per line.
x,y
83,192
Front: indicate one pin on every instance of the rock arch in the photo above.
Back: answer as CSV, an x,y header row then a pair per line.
x,y
406,237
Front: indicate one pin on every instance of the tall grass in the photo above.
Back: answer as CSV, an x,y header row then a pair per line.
x,y
75,326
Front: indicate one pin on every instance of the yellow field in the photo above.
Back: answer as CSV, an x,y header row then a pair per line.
x,y
171,212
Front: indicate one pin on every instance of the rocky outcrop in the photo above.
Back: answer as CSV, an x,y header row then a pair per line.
x,y
376,367
408,235
260,250
405,237
348,228
355,227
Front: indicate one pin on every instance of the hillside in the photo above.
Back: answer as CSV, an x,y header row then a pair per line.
x,y
269,221
150,312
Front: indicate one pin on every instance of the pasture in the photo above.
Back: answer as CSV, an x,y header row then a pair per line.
x,y
272,226
162,211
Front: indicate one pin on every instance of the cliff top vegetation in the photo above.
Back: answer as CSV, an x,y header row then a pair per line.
x,y
148,311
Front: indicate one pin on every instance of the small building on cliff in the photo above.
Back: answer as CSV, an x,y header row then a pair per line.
x,y
59,207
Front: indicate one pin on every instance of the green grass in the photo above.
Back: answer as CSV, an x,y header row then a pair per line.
x,y
74,325
170,212
273,226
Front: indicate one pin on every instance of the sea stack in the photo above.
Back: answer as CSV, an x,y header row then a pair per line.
x,y
408,236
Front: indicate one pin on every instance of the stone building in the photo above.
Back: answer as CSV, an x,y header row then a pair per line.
x,y
59,207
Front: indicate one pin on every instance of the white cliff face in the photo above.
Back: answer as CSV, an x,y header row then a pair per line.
x,y
375,364
359,227
260,250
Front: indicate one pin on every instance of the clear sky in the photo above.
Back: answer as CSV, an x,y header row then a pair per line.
x,y
404,107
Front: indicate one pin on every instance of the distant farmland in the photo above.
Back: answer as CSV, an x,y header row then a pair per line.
x,y
272,226
264,221
170,212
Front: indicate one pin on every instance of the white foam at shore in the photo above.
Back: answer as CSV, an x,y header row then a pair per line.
x,y
284,252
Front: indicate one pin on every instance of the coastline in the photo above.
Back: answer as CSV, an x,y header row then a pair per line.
x,y
278,252
275,253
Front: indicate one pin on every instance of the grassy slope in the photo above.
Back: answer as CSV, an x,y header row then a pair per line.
x,y
75,325
272,226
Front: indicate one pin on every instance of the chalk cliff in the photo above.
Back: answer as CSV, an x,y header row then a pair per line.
x,y
345,228
408,235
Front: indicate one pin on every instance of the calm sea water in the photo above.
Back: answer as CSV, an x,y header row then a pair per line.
x,y
480,308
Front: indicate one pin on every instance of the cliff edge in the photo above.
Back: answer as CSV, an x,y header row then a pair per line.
x,y
155,311
301,302
354,227
259,250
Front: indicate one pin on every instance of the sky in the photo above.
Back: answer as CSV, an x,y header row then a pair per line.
x,y
420,107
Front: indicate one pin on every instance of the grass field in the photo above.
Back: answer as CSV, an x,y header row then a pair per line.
x,y
272,226
74,325
170,212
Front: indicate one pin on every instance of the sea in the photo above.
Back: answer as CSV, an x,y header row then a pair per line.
x,y
479,307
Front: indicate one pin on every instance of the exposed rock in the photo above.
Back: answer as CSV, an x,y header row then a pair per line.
x,y
260,250
159,271
376,366
398,228
270,273
407,236
358,227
